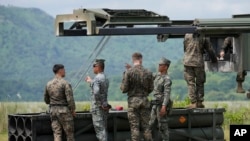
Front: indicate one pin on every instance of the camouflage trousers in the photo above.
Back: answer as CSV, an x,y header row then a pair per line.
x,y
195,78
62,119
99,118
139,114
162,122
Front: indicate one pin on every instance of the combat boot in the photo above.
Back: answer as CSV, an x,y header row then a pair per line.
x,y
200,105
240,88
192,106
248,94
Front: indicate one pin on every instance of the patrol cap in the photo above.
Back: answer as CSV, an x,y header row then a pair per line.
x,y
99,61
164,61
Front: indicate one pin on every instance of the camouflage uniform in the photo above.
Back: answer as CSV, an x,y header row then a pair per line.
x,y
99,86
194,73
59,95
138,84
228,49
162,89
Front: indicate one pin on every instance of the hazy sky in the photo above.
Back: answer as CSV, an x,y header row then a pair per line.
x,y
175,9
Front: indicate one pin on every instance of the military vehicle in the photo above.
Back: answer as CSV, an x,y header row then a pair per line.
x,y
185,124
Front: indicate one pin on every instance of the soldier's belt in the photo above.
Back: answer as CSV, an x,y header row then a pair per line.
x,y
159,102
156,102
108,106
58,105
139,95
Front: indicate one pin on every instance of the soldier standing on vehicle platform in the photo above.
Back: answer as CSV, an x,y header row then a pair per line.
x,y
138,84
59,95
99,104
194,73
227,47
162,104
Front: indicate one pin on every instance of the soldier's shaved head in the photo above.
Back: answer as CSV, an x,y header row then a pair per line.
x,y
57,67
137,56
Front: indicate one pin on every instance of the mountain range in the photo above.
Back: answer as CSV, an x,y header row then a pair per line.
x,y
29,49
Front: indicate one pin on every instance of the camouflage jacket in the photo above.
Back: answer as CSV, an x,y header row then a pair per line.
x,y
194,48
59,91
137,81
162,88
99,94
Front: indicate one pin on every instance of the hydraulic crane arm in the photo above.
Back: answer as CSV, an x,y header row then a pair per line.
x,y
108,22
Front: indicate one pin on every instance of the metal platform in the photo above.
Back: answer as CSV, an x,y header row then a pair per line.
x,y
173,31
184,124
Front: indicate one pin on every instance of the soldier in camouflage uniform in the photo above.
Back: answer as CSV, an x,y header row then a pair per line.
x,y
194,47
138,84
99,104
161,101
59,95
227,48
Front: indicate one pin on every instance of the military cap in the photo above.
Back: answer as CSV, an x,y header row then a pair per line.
x,y
164,61
99,61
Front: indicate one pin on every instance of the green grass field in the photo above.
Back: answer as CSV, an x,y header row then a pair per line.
x,y
3,136
236,112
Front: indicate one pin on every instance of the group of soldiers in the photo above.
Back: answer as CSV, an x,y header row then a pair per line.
x,y
138,82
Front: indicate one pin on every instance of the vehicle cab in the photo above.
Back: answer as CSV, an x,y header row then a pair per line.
x,y
231,35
